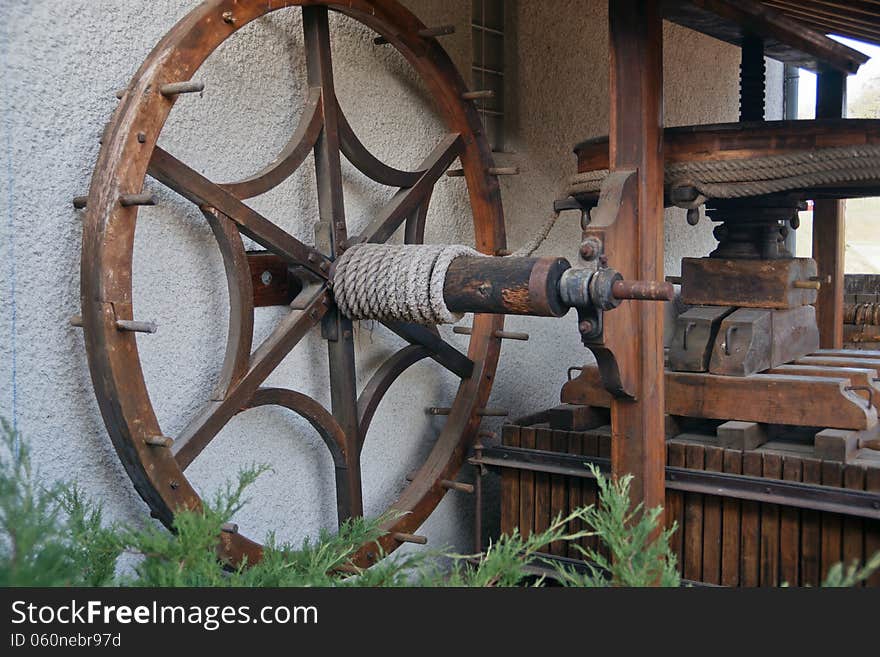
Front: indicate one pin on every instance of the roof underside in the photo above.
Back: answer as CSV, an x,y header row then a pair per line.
x,y
857,19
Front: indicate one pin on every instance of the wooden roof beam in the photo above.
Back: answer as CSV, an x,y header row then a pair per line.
x,y
785,39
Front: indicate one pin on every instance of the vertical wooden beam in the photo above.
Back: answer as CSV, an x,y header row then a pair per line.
x,y
829,225
636,143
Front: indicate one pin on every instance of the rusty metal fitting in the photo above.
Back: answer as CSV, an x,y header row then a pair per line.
x,y
643,290
591,248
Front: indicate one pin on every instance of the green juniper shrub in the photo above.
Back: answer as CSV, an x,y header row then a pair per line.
x,y
54,536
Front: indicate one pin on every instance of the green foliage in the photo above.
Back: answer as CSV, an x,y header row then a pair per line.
x,y
50,536
639,550
55,537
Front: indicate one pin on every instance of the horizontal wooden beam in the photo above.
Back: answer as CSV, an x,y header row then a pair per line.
x,y
768,398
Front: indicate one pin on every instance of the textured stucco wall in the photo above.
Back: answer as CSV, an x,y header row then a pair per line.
x,y
61,63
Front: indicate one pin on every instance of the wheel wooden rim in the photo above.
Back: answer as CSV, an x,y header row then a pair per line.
x,y
129,153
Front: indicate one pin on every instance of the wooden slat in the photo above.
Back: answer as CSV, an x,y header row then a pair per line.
x,y
558,491
790,528
811,530
750,545
675,502
850,18
693,518
832,525
712,534
730,522
510,436
603,450
588,488
770,526
872,527
767,398
853,528
847,353
543,442
527,487
574,445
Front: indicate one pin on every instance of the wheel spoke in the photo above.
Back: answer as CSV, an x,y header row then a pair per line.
x,y
407,200
440,350
328,170
378,385
367,163
343,396
289,160
414,231
196,436
240,334
190,184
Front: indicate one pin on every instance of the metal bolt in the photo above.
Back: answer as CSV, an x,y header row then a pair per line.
x,y
590,249
484,289
142,137
228,17
266,278
585,326
175,485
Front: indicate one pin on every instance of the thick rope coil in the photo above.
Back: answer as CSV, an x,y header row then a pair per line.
x,y
396,282
761,175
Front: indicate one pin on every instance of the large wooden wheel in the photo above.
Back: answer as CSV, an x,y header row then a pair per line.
x,y
129,153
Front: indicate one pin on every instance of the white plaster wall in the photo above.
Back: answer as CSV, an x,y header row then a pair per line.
x,y
61,63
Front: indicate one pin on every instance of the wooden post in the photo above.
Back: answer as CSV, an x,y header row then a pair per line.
x,y
636,143
829,224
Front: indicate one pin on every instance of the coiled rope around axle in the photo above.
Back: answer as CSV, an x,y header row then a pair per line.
x,y
404,282
757,176
396,282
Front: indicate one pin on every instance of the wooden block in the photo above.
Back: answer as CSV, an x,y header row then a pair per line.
x,y
509,484
846,353
741,435
836,445
571,417
743,345
767,398
753,340
747,283
858,376
694,337
730,523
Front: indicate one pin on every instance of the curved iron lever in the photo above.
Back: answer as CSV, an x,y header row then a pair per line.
x,y
687,329
868,389
728,334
